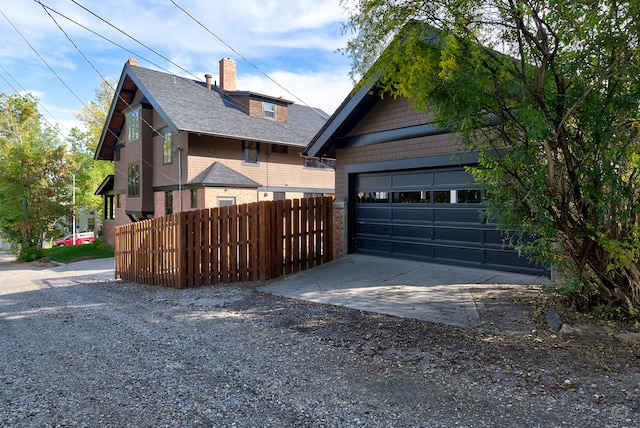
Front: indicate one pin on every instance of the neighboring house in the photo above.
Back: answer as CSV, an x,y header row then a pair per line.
x,y
402,189
178,144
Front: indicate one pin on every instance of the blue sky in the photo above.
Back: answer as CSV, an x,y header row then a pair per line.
x,y
293,42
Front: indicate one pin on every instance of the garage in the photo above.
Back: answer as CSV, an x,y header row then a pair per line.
x,y
431,214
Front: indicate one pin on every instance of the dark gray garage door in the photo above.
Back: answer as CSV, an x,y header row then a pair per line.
x,y
430,215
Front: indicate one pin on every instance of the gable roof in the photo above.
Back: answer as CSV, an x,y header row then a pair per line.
x,y
187,105
354,107
359,102
220,175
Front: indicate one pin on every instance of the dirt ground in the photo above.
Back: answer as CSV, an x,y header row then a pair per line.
x,y
515,345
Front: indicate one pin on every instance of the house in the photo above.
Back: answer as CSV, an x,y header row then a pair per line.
x,y
402,189
179,144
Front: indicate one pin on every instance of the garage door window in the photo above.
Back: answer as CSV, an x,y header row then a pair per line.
x,y
373,197
411,197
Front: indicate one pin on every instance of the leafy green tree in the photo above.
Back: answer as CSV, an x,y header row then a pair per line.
x,y
548,92
34,175
89,174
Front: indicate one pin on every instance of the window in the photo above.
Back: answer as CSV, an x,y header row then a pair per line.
x,y
133,180
413,197
279,148
167,149
168,203
133,125
373,197
194,198
250,151
278,196
469,196
226,201
268,111
442,197
319,163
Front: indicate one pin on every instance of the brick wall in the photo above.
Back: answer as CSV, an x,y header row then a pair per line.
x,y
339,228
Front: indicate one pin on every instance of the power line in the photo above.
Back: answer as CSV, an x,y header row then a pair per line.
x,y
37,100
42,59
135,54
135,40
242,56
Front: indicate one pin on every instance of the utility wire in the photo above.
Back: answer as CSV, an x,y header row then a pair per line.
x,y
37,100
135,54
136,40
43,60
242,56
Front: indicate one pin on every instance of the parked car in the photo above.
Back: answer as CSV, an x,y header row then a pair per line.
x,y
81,238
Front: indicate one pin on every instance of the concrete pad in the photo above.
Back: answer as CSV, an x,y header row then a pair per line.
x,y
21,277
403,288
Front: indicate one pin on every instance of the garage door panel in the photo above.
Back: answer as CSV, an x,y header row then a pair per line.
x,y
459,235
413,250
418,214
475,255
375,181
373,213
381,230
374,246
460,215
412,232
412,180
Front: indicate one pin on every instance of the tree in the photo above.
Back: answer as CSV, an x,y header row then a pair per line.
x,y
34,175
548,93
89,174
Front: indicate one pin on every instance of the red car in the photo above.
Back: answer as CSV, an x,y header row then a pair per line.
x,y
81,238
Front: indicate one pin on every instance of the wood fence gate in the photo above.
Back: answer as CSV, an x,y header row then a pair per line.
x,y
257,241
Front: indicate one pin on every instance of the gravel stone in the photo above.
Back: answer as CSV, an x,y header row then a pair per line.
x,y
84,352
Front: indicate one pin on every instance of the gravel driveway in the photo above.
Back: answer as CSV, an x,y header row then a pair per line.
x,y
82,351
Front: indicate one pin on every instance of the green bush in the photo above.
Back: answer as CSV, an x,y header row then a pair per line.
x,y
30,254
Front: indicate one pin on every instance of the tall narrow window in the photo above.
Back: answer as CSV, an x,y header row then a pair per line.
x,y
194,198
250,152
133,125
168,203
268,111
167,149
133,180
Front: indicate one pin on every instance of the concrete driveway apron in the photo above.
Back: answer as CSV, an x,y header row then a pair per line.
x,y
17,277
410,289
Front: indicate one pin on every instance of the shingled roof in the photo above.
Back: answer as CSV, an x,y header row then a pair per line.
x,y
187,105
220,175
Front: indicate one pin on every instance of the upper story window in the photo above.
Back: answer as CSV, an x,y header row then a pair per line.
x,y
167,149
268,110
133,180
133,125
279,148
250,152
319,163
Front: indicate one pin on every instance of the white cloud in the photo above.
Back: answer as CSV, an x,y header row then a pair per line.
x,y
324,90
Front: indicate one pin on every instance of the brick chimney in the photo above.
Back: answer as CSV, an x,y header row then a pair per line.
x,y
133,61
227,74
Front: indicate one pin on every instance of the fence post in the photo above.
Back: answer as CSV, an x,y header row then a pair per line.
x,y
181,250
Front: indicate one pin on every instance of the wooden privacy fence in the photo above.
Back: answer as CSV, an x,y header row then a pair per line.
x,y
257,241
